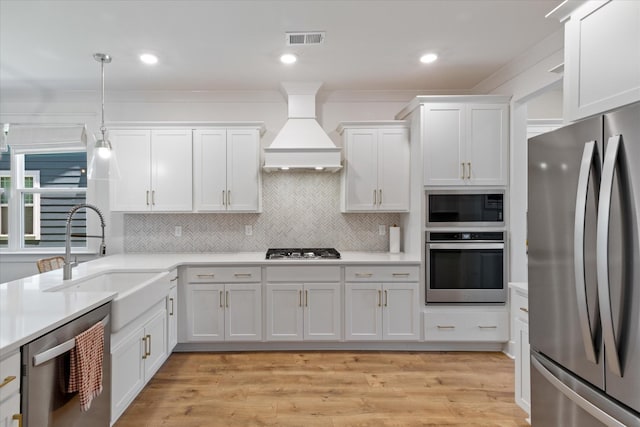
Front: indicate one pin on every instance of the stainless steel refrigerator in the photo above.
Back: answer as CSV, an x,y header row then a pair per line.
x,y
584,272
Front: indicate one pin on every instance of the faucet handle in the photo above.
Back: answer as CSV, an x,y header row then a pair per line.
x,y
103,249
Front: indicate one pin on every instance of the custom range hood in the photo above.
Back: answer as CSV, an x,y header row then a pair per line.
x,y
302,143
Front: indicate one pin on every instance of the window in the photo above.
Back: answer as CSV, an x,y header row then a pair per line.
x,y
37,189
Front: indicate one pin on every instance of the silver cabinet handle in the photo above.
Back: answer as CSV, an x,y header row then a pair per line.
x,y
487,327
364,274
379,298
228,198
400,274
224,198
147,197
153,197
144,343
380,198
602,252
445,327
463,170
299,298
526,310
171,302
239,275
306,298
149,342
226,300
386,298
590,160
469,171
375,199
221,300
202,276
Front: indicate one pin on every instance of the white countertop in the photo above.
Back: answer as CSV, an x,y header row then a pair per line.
x,y
29,308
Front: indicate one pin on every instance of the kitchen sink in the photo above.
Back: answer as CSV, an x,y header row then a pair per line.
x,y
137,292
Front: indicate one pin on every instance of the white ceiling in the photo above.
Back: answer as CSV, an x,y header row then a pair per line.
x,y
235,45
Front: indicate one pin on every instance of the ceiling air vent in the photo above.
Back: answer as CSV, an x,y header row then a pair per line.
x,y
305,38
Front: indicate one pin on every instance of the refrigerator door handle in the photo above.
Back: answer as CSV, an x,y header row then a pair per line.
x,y
602,252
589,153
576,398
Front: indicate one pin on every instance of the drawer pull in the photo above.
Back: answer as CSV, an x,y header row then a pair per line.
x,y
149,341
364,274
221,300
526,310
18,417
242,275
7,380
226,299
446,327
386,298
144,341
202,276
379,298
171,302
401,274
487,327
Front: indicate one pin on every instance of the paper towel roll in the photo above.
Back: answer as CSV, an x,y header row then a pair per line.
x,y
394,239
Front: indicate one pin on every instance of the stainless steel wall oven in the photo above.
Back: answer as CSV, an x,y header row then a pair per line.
x,y
465,267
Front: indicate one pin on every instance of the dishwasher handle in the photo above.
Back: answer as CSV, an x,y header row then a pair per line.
x,y
60,349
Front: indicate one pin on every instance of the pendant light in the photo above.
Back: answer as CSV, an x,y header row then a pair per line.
x,y
103,165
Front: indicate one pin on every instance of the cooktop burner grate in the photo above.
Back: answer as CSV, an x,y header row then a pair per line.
x,y
302,253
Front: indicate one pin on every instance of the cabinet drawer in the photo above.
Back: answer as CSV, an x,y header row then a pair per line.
x,y
367,273
301,274
223,274
467,326
520,306
9,376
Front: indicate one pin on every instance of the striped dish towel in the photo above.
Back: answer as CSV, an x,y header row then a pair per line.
x,y
85,374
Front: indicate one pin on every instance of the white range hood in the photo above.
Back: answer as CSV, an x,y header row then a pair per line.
x,y
302,143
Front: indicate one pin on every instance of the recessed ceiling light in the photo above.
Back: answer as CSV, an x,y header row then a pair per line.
x,y
149,58
288,58
428,58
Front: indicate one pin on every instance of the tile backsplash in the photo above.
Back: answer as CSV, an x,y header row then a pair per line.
x,y
300,209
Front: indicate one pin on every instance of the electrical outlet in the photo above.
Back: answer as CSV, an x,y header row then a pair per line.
x,y
177,231
382,229
248,230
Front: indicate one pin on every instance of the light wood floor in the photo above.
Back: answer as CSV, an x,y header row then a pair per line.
x,y
331,389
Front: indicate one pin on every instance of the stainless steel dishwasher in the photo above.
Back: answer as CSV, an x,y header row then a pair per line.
x,y
45,364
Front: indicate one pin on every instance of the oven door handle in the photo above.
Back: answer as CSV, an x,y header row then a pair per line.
x,y
466,246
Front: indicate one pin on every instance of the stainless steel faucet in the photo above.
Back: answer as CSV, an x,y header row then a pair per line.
x,y
68,264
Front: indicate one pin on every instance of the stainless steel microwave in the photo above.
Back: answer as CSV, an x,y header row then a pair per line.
x,y
465,208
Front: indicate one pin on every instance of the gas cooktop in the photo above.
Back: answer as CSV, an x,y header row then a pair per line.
x,y
302,253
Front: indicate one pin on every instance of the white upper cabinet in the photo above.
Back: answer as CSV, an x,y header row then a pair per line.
x,y
226,170
154,170
376,174
602,58
465,144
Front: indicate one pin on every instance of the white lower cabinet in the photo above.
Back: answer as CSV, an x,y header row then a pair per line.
x,y
463,324
382,311
520,320
310,311
10,415
136,357
172,318
224,312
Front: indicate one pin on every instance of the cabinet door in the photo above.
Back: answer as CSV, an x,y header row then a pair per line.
x,y
156,343
171,170
393,170
132,190
401,313
127,372
487,144
172,319
8,409
284,312
523,368
243,314
602,58
243,169
361,187
363,311
205,319
444,139
322,311
210,169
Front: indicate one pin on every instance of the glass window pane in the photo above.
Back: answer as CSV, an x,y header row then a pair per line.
x,y
46,217
57,169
